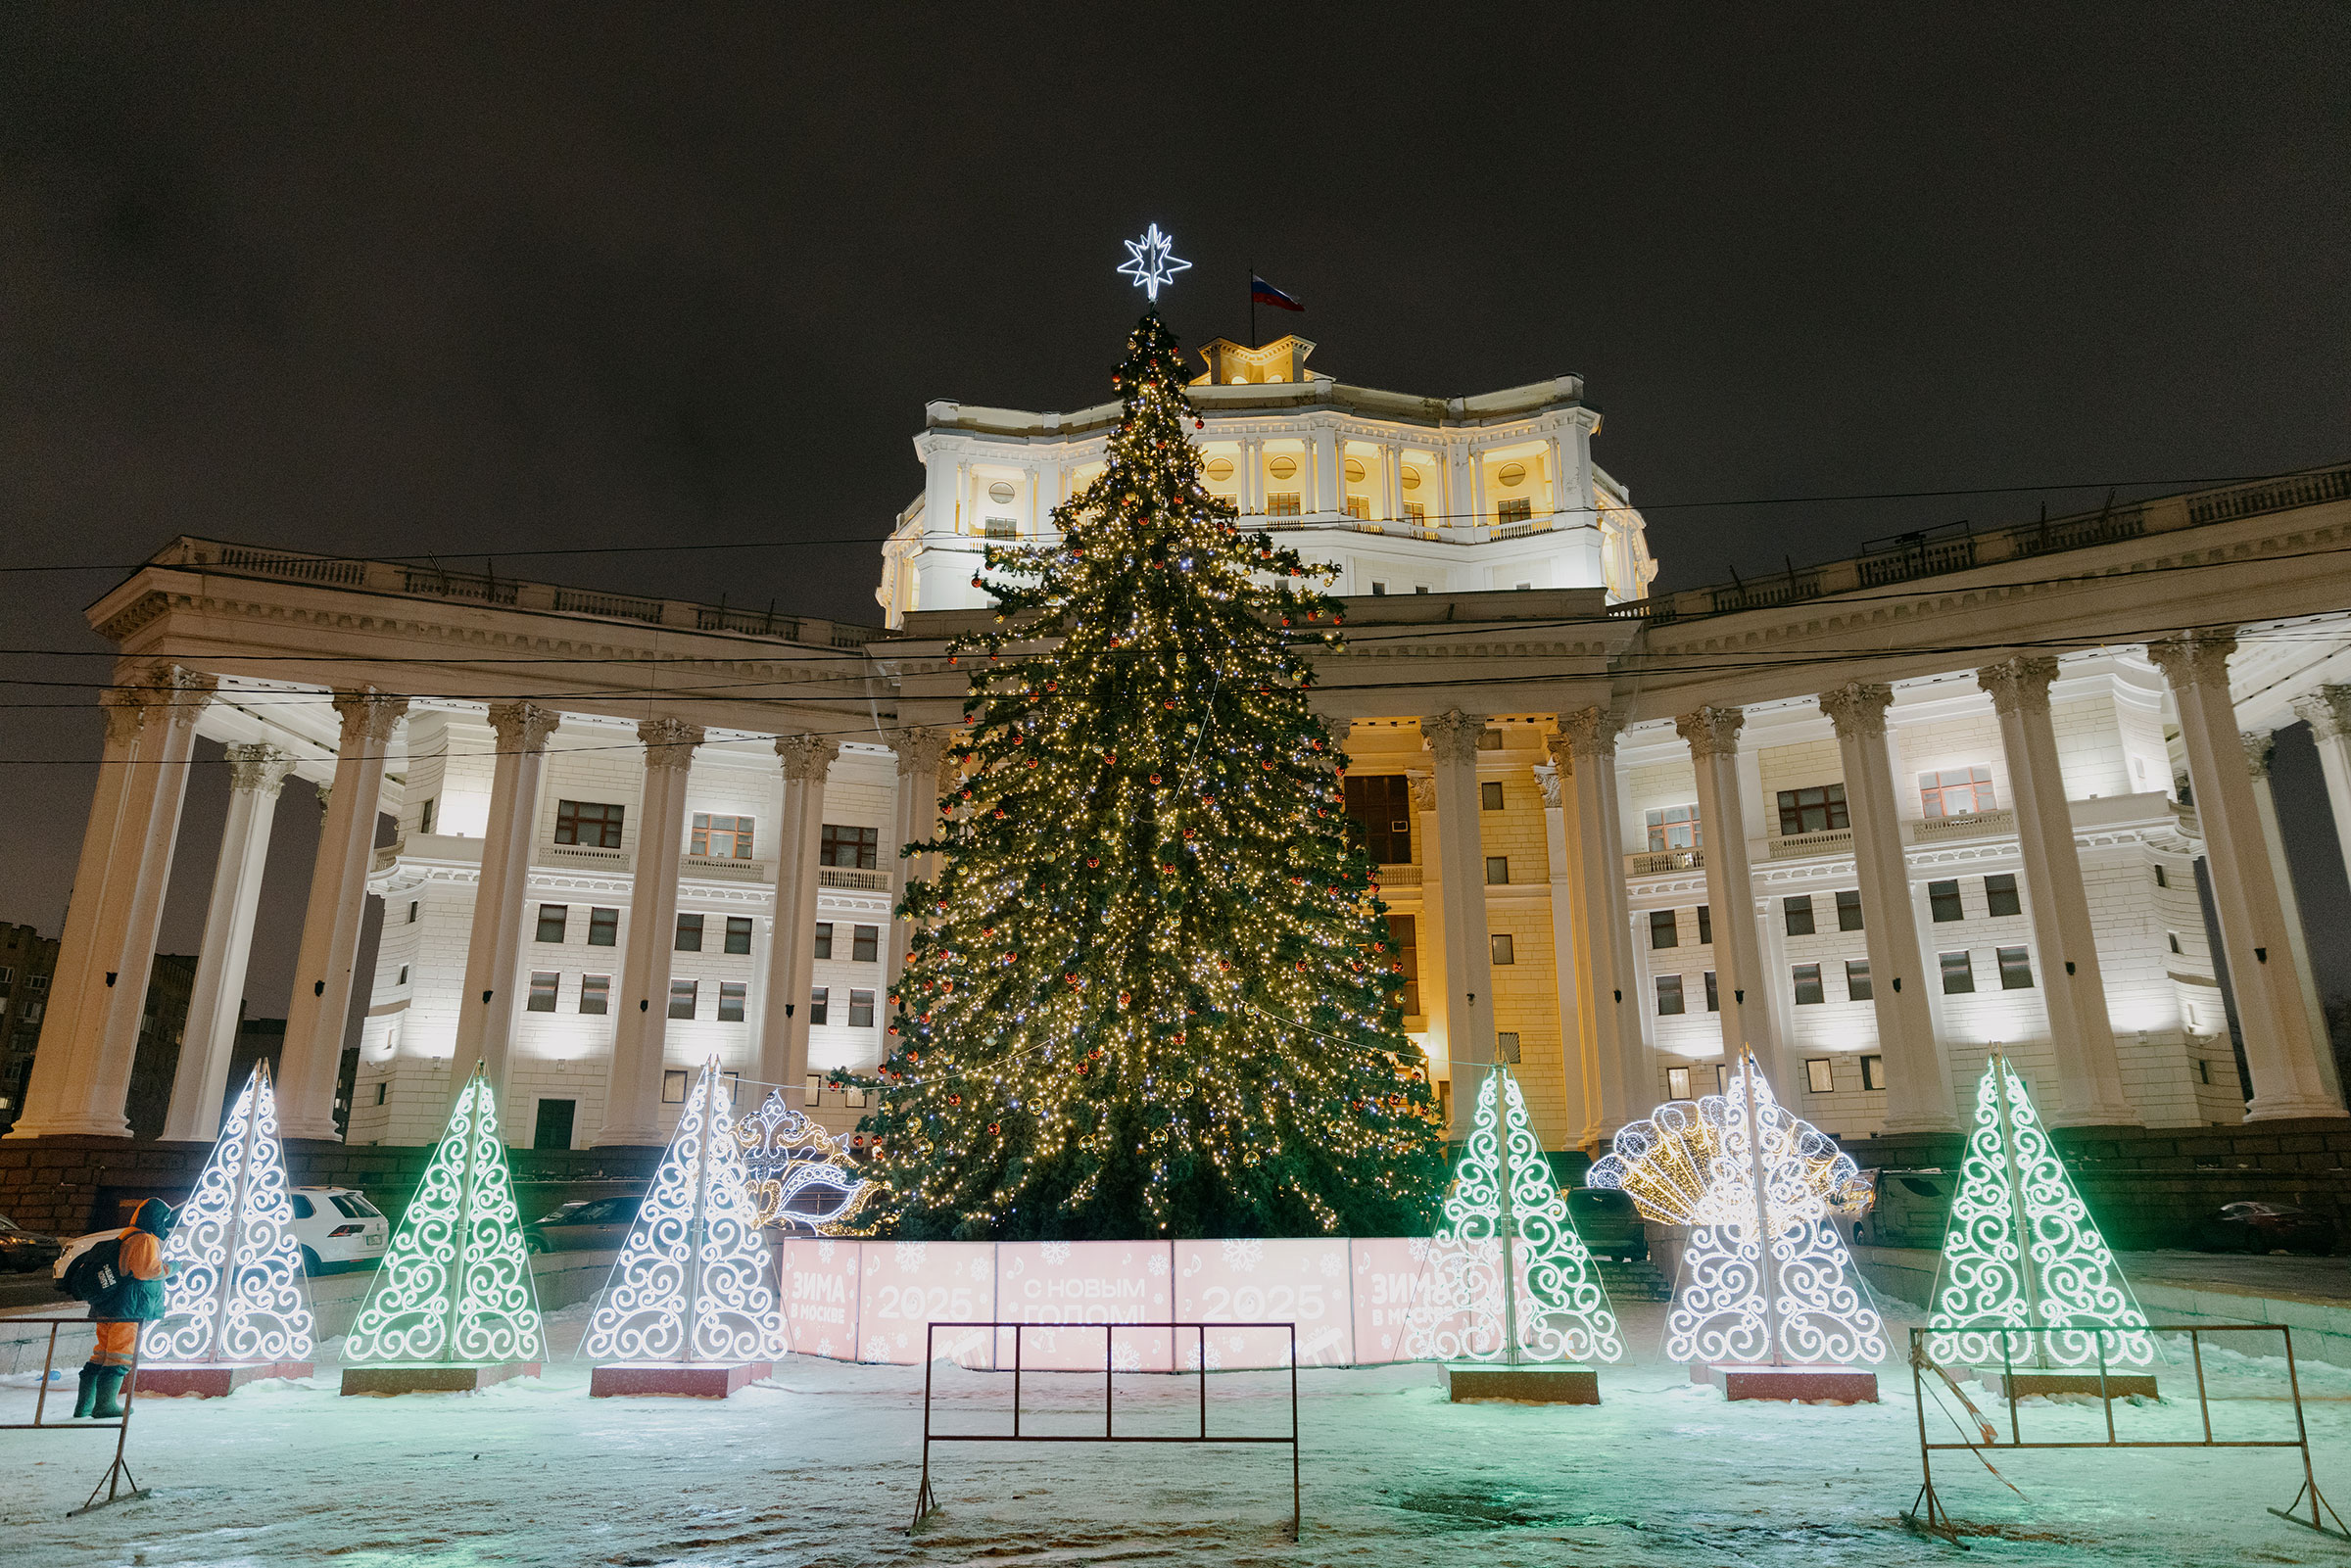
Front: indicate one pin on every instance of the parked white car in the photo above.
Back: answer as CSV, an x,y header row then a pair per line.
x,y
336,1227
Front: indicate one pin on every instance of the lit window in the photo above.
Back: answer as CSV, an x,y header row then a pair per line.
x,y
859,849
1955,791
730,1002
865,944
1003,528
1669,995
2016,969
689,933
1416,512
1498,871
739,934
1817,1076
1282,504
595,992
1848,910
861,1010
723,837
1808,985
673,1087
552,918
1817,809
603,927
1873,1073
1663,930
1674,827
590,823
824,939
1505,1046
1713,994
543,991
1514,510
1856,980
1489,797
1677,1083
682,997
1958,973
817,1000
1943,899
1799,914
1504,951
1358,506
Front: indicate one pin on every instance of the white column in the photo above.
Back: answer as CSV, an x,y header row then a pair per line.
x,y
807,759
1326,471
313,1058
1253,477
494,950
2279,1049
633,1100
1713,737
914,820
256,773
2328,710
1468,954
1431,929
1607,967
90,1037
1918,1080
2259,744
1579,1066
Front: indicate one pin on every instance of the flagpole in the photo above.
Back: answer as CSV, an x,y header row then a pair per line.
x,y
1253,305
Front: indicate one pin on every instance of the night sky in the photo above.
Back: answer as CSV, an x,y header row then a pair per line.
x,y
391,282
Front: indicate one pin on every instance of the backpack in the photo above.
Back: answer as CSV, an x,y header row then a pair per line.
x,y
96,1271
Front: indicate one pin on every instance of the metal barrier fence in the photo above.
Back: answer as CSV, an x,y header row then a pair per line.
x,y
117,1483
1927,1513
925,1503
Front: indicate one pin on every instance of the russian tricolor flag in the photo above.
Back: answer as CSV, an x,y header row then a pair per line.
x,y
1262,293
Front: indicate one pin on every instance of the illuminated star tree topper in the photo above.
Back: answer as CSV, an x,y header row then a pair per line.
x,y
1152,263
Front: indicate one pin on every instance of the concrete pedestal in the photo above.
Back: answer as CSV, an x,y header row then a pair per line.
x,y
435,1379
210,1382
2031,1380
1842,1384
1544,1383
701,1381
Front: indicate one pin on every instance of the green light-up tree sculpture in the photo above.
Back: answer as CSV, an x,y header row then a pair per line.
x,y
2022,1252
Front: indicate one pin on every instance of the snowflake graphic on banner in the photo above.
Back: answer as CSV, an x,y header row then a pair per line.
x,y
234,1293
1766,1277
1542,1300
690,1285
455,1284
2022,1250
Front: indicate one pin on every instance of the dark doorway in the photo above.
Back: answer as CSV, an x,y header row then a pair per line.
x,y
555,1124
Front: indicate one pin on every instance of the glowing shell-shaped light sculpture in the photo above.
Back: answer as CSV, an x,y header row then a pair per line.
x,y
1766,1278
796,1171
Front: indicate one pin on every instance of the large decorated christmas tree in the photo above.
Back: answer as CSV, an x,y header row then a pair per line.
x,y
1153,993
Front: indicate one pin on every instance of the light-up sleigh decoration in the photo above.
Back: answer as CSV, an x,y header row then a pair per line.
x,y
1768,1305
796,1171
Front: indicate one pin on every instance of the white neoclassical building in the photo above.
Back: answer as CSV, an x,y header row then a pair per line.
x,y
1870,819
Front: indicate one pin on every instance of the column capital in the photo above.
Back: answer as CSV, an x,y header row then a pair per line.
x,y
1857,710
2194,658
258,768
368,714
1423,787
806,758
2259,744
2328,710
918,747
669,743
1711,731
1589,733
523,726
1549,777
2020,685
1453,734
179,693
125,714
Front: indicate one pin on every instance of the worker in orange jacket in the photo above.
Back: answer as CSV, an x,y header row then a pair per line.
x,y
133,1295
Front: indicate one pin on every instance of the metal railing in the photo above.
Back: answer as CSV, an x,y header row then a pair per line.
x,y
1971,825
1827,842
1655,862
843,876
117,1483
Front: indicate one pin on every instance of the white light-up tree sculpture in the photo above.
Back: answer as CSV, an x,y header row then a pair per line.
x,y
1766,1278
797,1174
2022,1252
688,1289
1539,1298
233,1299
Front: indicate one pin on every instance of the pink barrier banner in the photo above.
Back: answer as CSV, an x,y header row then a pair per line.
x,y
1391,1279
906,1284
818,1293
1302,1281
1062,1284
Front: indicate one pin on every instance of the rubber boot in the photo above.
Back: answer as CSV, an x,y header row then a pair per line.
x,y
89,1391
110,1384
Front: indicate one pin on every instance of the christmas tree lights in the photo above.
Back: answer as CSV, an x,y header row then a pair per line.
x,y
1541,1300
233,1291
2021,1250
1765,1279
690,1283
455,1286
1153,991
796,1172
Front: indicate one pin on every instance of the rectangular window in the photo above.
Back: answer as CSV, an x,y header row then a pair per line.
x,y
1943,899
1358,506
865,944
724,838
1856,980
1505,1046
730,1002
2174,938
1848,910
689,933
861,1010
1873,1073
603,927
1416,512
1489,739
859,849
1379,591
1664,930
1489,795
1674,827
1504,951
2016,968
1999,895
412,905
824,939
1799,914
380,1086
2204,1070
1808,985
1281,503
1817,1076
1514,510
1381,805
1958,973
682,997
596,991
554,1127
1813,810
1002,528
673,1087
817,1000
739,934
1705,925
1677,1083
1669,995
1498,871
552,918
1714,993
403,975
543,991
2161,879
425,815
1955,791
590,824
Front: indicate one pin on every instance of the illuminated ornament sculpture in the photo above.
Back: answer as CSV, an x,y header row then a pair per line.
x,y
1152,263
1532,1308
796,1172
2022,1252
234,1306
688,1310
1766,1303
454,1305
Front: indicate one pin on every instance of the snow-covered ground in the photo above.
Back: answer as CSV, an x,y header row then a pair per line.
x,y
820,1465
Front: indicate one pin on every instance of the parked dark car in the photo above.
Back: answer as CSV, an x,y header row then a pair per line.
x,y
1906,1209
22,1249
590,1225
2264,1227
1609,1223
